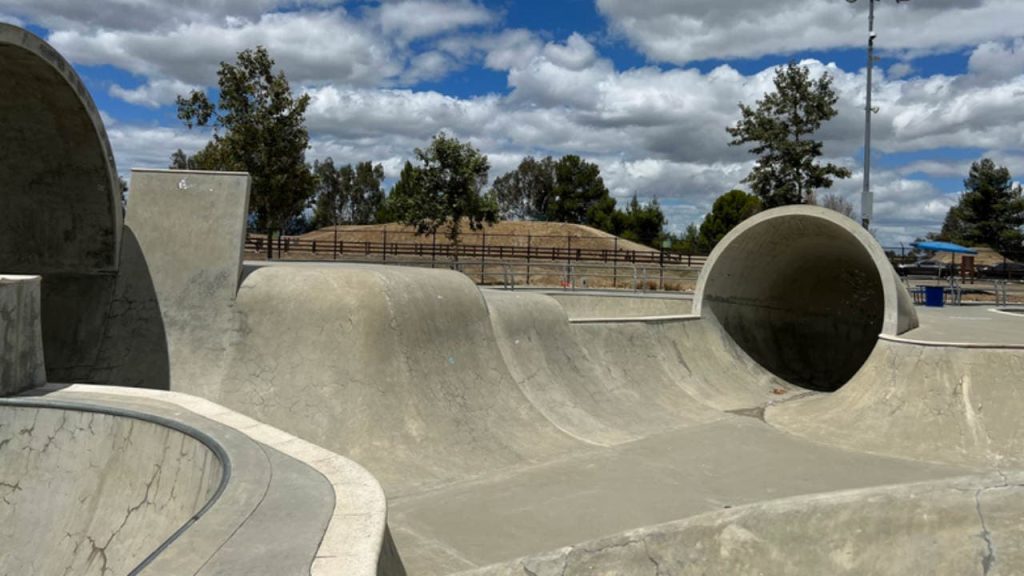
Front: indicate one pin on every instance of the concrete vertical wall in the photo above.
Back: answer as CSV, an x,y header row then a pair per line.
x,y
180,267
21,340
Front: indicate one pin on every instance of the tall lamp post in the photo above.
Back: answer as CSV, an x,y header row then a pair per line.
x,y
866,200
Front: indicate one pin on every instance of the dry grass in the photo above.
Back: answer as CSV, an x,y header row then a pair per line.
x,y
510,233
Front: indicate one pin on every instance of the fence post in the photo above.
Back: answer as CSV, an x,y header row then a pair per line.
x,y
661,269
568,250
615,263
529,245
433,250
384,250
483,255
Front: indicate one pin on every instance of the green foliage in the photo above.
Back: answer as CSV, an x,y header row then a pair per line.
x,y
643,223
728,210
688,242
523,193
780,127
259,128
347,195
579,195
444,191
327,195
990,211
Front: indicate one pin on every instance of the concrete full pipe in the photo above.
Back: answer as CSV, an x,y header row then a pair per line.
x,y
805,292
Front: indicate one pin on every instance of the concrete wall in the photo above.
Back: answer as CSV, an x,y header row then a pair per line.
x,y
805,291
21,341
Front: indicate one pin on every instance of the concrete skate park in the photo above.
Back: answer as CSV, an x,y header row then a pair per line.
x,y
170,409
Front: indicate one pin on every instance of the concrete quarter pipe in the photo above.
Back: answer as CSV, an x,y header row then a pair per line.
x,y
789,422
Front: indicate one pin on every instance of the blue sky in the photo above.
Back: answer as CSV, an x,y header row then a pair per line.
x,y
645,89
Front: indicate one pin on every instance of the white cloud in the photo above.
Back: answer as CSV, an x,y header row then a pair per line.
x,y
998,60
409,20
682,31
154,93
311,46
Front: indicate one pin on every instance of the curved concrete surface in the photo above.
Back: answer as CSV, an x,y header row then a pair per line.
x,y
604,305
259,502
967,525
580,387
60,206
929,401
88,492
805,291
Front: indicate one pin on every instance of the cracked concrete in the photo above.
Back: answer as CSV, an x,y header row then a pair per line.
x,y
98,487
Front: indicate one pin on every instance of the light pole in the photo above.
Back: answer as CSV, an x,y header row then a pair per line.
x,y
866,200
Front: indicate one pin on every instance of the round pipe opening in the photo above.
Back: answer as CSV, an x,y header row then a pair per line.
x,y
805,292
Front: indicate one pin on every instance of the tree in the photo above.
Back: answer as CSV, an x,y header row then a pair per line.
x,y
839,204
366,192
523,194
728,210
327,194
444,190
579,195
991,208
259,128
780,128
643,223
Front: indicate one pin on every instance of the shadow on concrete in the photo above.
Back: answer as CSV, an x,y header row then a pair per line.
x,y
134,350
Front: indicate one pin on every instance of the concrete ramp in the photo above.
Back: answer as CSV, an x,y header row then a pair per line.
x,y
693,353
396,368
575,383
936,402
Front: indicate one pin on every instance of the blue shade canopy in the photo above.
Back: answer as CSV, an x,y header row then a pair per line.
x,y
943,247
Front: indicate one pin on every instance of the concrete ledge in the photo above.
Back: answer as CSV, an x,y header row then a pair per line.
x,y
642,319
935,344
21,338
355,541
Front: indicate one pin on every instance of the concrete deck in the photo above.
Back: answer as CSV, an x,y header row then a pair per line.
x,y
972,323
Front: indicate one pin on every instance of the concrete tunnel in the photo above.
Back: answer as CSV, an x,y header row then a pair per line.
x,y
60,206
805,292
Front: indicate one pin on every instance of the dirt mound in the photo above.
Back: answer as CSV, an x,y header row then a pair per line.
x,y
509,233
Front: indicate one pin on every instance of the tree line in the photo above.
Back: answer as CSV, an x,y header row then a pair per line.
x,y
258,127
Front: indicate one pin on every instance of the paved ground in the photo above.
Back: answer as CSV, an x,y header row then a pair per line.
x,y
600,492
977,323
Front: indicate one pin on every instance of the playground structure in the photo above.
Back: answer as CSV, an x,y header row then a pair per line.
x,y
238,418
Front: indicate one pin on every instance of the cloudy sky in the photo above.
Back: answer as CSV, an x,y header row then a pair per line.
x,y
645,88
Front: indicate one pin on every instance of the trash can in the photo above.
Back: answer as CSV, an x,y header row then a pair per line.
x,y
934,296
